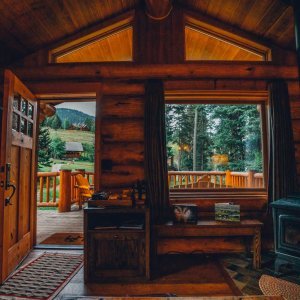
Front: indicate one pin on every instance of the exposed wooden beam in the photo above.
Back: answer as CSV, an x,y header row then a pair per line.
x,y
191,70
158,9
46,110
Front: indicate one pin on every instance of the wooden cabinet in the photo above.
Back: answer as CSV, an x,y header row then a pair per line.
x,y
115,249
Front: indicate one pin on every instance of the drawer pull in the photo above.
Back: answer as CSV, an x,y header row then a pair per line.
x,y
116,236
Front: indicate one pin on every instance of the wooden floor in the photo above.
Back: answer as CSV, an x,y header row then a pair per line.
x,y
51,221
208,280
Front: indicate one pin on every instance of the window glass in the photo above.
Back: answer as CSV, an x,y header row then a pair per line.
x,y
24,125
16,102
30,111
214,146
16,122
24,106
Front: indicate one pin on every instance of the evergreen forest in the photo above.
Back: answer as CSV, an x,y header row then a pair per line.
x,y
195,133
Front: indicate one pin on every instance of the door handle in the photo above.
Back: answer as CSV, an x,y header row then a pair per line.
x,y
9,185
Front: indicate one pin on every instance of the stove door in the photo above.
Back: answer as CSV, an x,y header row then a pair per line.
x,y
289,235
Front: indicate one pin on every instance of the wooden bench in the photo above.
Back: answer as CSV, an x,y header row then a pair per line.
x,y
189,234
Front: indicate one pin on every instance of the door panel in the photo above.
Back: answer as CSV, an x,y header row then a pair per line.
x,y
24,194
18,163
13,208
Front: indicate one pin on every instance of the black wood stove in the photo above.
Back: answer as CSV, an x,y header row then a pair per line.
x,y
286,217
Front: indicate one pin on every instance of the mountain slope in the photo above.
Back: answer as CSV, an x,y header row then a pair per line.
x,y
74,116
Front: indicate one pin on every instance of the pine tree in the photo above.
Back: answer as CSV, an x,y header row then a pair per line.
x,y
54,122
89,123
66,124
44,141
57,147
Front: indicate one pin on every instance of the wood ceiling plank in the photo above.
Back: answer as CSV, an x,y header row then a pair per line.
x,y
270,16
252,16
283,29
41,22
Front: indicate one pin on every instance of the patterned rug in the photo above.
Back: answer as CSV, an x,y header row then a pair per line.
x,y
239,267
43,277
64,238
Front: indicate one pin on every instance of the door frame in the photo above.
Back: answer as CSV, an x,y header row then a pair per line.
x,y
78,91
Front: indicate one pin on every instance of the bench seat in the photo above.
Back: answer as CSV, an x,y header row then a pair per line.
x,y
216,234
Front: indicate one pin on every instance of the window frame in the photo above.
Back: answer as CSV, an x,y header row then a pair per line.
x,y
225,97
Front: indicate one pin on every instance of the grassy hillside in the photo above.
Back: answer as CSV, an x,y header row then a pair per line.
x,y
73,165
73,135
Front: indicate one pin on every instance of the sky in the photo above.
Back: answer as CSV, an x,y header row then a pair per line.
x,y
86,107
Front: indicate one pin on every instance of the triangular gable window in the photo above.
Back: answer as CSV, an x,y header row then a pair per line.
x,y
110,43
207,42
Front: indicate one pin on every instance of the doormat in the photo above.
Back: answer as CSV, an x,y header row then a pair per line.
x,y
44,277
65,238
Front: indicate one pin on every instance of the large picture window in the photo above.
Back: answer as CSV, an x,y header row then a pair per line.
x,y
215,146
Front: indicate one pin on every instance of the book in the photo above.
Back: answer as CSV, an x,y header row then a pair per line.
x,y
227,212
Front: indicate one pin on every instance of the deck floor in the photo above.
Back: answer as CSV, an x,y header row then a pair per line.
x,y
51,221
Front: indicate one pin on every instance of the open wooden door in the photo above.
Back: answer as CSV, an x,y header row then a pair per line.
x,y
17,173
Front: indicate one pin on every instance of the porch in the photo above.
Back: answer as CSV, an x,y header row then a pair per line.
x,y
50,222
59,189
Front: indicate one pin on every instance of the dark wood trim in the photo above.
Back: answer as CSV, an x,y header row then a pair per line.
x,y
215,96
265,142
98,138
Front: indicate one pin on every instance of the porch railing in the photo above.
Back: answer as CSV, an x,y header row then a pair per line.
x,y
54,186
215,179
49,187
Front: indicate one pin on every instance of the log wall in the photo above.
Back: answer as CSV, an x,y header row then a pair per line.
x,y
122,137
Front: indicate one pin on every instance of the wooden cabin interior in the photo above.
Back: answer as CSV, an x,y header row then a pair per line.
x,y
133,57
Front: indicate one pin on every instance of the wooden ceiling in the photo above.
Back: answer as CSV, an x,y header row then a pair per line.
x,y
29,25
201,46
270,19
105,49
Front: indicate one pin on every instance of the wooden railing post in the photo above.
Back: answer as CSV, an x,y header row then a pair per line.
x,y
228,179
250,179
64,203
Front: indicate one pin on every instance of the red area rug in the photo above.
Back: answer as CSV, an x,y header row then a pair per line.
x,y
42,278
